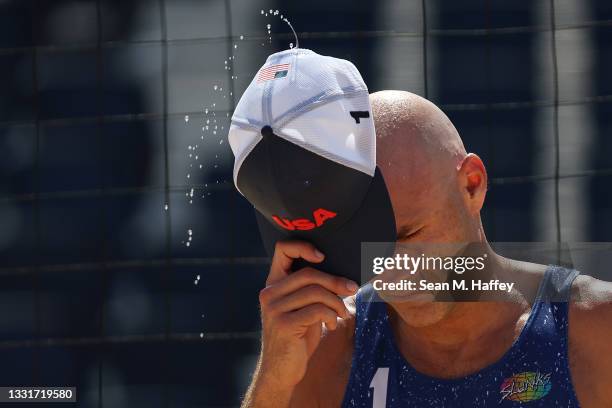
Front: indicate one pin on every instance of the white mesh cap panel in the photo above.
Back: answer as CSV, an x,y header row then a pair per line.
x,y
248,108
310,107
330,131
311,75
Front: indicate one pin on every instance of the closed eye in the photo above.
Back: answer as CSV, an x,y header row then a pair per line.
x,y
406,234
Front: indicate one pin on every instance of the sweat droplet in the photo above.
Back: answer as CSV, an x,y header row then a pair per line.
x,y
242,37
269,26
201,335
215,87
186,118
166,207
206,111
190,232
262,11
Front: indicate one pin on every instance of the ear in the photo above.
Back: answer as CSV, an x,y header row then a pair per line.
x,y
473,179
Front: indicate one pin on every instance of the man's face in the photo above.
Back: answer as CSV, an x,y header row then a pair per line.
x,y
436,188
427,199
429,224
433,219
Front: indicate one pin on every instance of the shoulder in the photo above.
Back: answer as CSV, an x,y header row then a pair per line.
x,y
591,305
590,330
329,367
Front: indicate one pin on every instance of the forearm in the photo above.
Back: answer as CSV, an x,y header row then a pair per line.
x,y
265,392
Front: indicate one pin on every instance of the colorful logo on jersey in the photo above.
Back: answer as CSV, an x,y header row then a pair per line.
x,y
526,386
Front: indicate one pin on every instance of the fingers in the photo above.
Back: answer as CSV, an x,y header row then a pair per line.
x,y
313,314
309,295
305,297
310,276
284,254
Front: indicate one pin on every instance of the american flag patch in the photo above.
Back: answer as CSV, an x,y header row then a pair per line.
x,y
273,72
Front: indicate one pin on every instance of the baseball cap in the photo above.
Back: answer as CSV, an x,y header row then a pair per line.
x,y
304,144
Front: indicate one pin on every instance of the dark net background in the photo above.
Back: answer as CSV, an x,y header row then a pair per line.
x,y
96,281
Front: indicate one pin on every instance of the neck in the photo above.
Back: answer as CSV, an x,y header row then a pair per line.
x,y
454,338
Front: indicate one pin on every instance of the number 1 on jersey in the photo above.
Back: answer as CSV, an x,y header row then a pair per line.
x,y
380,382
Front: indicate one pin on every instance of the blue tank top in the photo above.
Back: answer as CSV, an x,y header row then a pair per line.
x,y
534,372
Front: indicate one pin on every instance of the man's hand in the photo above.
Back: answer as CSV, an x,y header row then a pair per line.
x,y
293,307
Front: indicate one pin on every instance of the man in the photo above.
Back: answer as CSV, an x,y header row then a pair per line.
x,y
318,351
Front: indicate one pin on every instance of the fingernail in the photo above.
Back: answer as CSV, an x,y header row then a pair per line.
x,y
352,286
319,254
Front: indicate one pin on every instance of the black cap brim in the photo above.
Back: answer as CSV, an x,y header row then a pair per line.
x,y
373,221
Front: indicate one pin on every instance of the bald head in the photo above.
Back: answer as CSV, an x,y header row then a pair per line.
x,y
410,128
419,152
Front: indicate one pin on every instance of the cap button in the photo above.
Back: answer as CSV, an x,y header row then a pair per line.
x,y
266,131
